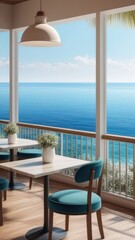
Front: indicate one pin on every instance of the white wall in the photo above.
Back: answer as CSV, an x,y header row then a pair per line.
x,y
23,13
5,16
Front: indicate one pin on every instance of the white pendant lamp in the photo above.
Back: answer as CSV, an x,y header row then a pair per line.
x,y
40,34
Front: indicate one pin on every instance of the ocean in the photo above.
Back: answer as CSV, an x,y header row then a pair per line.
x,y
73,105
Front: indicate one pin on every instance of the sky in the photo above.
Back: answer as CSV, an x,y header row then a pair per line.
x,y
74,61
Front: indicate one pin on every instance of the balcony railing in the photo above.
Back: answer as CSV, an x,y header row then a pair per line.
x,y
119,171
119,167
72,143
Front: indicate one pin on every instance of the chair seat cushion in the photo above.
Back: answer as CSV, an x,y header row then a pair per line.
x,y
73,202
29,153
3,183
4,156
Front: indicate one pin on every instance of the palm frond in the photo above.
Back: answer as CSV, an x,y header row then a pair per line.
x,y
125,18
91,21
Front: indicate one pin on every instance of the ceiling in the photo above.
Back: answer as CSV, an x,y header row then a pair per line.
x,y
12,2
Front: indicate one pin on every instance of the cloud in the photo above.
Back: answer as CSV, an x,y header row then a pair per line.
x,y
75,64
79,69
122,64
121,70
4,62
85,60
80,61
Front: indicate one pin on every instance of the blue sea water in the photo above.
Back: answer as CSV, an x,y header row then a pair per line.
x,y
73,105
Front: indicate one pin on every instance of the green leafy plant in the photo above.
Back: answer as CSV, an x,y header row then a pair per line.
x,y
48,140
118,180
11,128
2,136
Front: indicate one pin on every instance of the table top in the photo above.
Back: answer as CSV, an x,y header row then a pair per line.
x,y
20,143
35,168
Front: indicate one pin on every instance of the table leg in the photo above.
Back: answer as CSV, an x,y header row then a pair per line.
x,y
11,181
41,233
13,185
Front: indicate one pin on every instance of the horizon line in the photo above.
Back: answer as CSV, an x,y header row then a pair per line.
x,y
69,82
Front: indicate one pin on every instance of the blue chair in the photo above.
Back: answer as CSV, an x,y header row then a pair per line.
x,y
29,153
4,156
80,202
3,186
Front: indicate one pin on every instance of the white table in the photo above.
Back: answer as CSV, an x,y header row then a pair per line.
x,y
4,145
35,168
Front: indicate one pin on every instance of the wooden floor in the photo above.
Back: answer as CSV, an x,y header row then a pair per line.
x,y
23,211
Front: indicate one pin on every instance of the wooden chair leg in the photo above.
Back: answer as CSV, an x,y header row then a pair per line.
x,y
1,211
67,222
50,225
30,183
89,226
5,195
100,225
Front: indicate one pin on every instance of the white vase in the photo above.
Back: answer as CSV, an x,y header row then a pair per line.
x,y
48,154
12,138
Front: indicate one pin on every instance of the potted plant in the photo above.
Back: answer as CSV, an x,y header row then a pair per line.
x,y
11,130
48,143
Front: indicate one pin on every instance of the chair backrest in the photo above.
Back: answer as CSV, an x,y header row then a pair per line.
x,y
83,173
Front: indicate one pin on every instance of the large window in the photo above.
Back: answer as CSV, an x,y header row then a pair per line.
x,y
4,75
57,85
121,75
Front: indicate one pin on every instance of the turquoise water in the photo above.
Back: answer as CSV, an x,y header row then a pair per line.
x,y
73,105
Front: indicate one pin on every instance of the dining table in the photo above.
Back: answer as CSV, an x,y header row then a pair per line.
x,y
35,168
20,143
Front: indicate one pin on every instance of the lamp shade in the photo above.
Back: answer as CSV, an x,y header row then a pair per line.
x,y
40,34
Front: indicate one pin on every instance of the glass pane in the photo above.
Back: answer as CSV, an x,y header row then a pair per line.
x,y
57,85
120,76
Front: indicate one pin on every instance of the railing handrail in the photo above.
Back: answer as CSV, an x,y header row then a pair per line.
x,y
118,138
4,121
75,132
57,129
